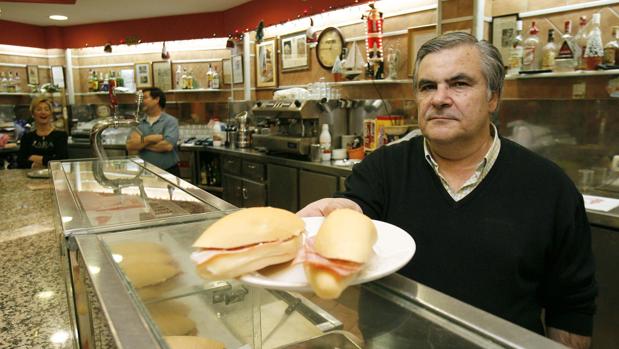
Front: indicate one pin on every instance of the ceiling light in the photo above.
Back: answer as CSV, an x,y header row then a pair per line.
x,y
58,17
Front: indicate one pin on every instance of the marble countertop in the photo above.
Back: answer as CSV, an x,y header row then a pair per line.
x,y
33,300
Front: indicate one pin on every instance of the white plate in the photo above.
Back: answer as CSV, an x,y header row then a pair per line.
x,y
392,250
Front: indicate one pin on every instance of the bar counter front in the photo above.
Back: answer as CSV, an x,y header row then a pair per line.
x,y
125,231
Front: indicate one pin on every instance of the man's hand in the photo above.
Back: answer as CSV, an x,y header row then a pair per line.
x,y
153,139
570,340
323,207
37,161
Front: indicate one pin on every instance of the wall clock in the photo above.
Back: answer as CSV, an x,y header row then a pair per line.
x,y
330,46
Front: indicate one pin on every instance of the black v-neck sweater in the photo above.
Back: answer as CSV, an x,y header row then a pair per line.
x,y
516,244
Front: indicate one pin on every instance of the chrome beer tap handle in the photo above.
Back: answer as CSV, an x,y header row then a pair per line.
x,y
113,121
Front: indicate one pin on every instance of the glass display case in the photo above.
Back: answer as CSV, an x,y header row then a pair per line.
x,y
148,288
95,196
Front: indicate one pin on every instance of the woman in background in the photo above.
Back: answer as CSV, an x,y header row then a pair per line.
x,y
43,144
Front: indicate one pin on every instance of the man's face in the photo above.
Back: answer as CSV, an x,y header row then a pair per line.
x,y
452,96
149,102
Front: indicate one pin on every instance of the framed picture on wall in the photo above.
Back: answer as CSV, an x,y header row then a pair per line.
x,y
418,36
503,34
143,75
237,69
162,75
226,69
32,73
294,52
266,63
58,76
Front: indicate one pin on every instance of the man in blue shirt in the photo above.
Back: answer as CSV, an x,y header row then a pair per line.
x,y
155,137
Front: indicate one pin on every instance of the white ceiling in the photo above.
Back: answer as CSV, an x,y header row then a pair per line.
x,y
95,11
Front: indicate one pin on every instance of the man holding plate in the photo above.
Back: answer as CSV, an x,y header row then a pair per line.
x,y
496,225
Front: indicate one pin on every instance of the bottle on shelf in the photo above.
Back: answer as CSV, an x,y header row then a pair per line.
x,y
549,51
178,78
568,49
106,83
100,82
193,84
120,82
531,45
95,82
4,83
594,52
17,82
10,82
325,143
209,77
581,40
611,49
517,51
89,81
215,83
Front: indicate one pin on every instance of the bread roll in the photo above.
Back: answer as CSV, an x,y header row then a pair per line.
x,y
246,241
346,234
249,226
340,249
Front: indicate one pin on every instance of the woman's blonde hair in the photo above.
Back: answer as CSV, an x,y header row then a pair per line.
x,y
39,100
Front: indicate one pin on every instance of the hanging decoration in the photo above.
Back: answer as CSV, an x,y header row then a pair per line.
x,y
374,41
164,52
311,34
108,47
260,32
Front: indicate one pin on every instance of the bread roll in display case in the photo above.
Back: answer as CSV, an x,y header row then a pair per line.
x,y
135,286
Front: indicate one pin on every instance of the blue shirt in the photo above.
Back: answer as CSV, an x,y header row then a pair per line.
x,y
165,125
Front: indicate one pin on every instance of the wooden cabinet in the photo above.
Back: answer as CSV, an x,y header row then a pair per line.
x,y
243,182
282,188
314,186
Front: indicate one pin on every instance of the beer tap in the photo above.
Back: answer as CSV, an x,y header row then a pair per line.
x,y
113,121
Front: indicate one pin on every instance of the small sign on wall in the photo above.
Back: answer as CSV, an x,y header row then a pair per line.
x,y
58,76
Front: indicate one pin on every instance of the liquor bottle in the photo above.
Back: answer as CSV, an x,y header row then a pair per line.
x,y
517,51
549,51
10,87
594,53
611,49
581,40
106,83
89,81
531,45
184,83
209,77
3,83
178,82
95,82
100,82
120,82
566,56
17,82
215,83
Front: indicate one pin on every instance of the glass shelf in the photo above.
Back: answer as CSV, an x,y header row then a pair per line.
x,y
569,74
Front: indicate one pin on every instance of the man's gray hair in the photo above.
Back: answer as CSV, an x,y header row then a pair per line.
x,y
492,64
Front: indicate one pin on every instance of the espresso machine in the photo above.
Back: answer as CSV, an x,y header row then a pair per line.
x,y
296,126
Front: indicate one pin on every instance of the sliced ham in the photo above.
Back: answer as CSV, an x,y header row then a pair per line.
x,y
340,267
205,254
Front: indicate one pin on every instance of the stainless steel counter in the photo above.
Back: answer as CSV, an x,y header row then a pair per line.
x,y
326,167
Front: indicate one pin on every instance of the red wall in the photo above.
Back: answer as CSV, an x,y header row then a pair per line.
x,y
183,27
13,33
